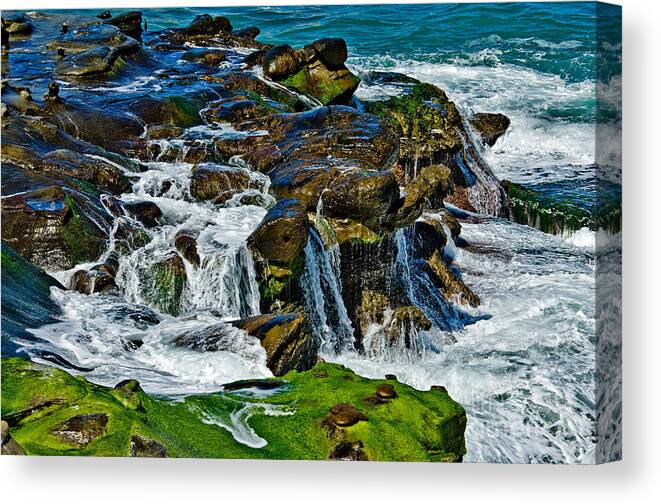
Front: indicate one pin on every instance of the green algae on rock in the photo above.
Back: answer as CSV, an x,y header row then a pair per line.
x,y
413,426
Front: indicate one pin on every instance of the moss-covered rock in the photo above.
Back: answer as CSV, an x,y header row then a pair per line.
x,y
414,426
165,282
550,214
489,126
327,86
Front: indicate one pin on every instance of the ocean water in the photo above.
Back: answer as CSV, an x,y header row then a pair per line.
x,y
525,370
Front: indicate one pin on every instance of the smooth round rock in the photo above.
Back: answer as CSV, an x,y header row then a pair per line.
x,y
346,415
386,391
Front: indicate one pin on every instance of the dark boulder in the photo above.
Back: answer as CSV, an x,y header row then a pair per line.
x,y
94,36
204,24
185,242
52,227
94,61
129,23
16,23
316,70
146,212
92,281
386,391
287,339
283,233
360,195
331,51
490,127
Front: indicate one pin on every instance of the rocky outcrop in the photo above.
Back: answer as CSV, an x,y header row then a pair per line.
x,y
9,446
424,425
277,246
316,70
287,339
53,227
164,284
490,127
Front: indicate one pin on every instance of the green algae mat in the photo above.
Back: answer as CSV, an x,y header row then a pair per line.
x,y
327,412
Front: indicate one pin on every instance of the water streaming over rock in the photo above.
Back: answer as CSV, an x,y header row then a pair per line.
x,y
322,291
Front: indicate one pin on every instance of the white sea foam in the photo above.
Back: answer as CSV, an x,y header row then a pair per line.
x,y
524,375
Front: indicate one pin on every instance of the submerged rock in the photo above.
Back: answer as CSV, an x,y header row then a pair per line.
x,y
94,36
490,127
164,284
92,61
287,339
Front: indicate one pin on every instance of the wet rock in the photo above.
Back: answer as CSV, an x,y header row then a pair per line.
x,y
287,339
92,281
439,388
92,61
165,284
490,127
94,36
283,233
186,243
391,377
426,191
52,228
182,110
146,212
80,430
104,15
411,315
202,56
210,181
16,23
101,173
280,62
360,195
9,446
129,23
451,286
250,32
386,391
372,309
429,237
234,109
316,70
349,451
161,131
346,415
325,85
204,24
26,298
143,447
331,51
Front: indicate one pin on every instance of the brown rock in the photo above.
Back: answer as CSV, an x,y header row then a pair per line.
x,y
490,127
80,430
386,391
346,415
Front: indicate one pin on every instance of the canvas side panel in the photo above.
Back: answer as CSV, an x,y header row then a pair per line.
x,y
608,253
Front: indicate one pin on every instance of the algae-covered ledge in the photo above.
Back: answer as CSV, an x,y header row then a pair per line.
x,y
328,412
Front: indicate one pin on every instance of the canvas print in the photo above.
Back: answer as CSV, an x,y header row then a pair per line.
x,y
354,232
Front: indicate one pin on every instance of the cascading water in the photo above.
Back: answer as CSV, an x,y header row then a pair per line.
x,y
323,298
420,289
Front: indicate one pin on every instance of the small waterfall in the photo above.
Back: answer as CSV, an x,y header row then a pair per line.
x,y
395,340
420,289
484,190
323,298
225,281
